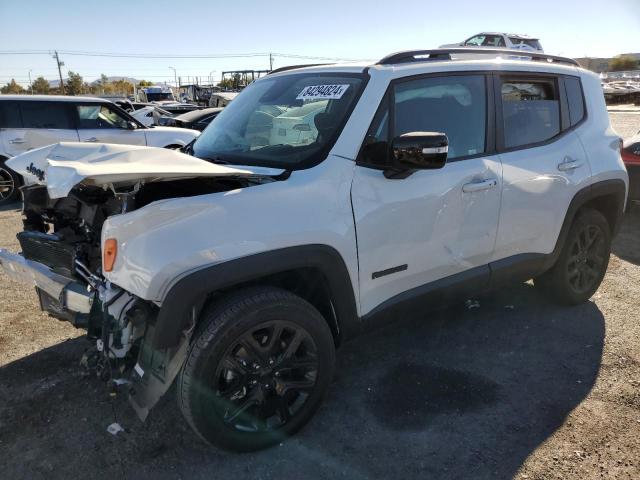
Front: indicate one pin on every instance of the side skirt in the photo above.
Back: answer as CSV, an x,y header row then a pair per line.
x,y
444,292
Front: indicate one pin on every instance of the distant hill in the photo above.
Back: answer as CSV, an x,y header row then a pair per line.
x,y
135,81
599,64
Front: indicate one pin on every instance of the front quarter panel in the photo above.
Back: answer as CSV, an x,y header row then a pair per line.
x,y
166,240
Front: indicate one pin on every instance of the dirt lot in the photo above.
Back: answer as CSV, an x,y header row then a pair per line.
x,y
516,388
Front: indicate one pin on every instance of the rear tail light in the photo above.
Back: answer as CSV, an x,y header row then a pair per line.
x,y
109,254
631,154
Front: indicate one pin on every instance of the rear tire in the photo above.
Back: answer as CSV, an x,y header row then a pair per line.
x,y
9,183
257,370
582,263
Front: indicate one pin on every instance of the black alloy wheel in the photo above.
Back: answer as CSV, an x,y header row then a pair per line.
x,y
8,184
588,254
266,376
583,260
259,366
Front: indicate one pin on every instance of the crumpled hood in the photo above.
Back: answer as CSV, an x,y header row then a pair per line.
x,y
62,166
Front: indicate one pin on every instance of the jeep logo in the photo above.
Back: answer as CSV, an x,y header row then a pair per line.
x,y
33,170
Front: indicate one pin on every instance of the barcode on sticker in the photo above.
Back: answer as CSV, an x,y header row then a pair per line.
x,y
322,92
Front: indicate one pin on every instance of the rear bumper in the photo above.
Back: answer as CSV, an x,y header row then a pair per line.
x,y
71,296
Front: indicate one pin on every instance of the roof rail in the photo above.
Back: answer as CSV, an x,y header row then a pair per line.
x,y
445,54
294,67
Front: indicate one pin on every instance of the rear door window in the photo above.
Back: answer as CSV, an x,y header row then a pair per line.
x,y
50,115
10,115
530,110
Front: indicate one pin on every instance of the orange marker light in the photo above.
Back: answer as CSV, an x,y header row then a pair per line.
x,y
109,254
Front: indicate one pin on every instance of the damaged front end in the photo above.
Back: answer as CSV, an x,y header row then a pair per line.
x,y
61,251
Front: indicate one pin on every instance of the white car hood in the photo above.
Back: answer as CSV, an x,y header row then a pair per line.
x,y
64,165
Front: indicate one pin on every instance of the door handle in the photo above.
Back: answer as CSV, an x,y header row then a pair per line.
x,y
569,164
92,139
16,140
479,186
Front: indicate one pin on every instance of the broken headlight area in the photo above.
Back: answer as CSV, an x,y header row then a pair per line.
x,y
61,254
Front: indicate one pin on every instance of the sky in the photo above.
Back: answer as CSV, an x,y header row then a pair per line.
x,y
350,30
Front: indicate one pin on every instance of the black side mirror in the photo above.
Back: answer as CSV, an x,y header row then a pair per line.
x,y
131,125
420,151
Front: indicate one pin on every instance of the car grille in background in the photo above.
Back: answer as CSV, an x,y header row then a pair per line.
x,y
48,250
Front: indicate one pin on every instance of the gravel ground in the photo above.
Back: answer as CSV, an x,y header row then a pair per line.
x,y
626,124
515,388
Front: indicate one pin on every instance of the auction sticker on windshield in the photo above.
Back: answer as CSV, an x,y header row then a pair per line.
x,y
322,92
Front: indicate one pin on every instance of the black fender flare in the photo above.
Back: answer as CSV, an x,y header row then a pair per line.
x,y
615,188
175,315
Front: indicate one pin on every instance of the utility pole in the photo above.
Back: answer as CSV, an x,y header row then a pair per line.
x,y
175,76
270,61
30,83
60,64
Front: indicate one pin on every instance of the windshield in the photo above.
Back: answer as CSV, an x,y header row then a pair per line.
x,y
287,121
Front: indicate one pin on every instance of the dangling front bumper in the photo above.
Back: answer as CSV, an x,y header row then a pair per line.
x,y
62,297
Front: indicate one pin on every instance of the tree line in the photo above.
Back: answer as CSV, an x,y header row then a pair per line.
x,y
75,85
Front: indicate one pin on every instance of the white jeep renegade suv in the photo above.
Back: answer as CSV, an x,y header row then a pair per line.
x,y
321,201
32,121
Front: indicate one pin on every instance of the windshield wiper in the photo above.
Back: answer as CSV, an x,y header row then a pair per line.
x,y
188,148
218,160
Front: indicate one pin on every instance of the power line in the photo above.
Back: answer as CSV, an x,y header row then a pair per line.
x,y
174,56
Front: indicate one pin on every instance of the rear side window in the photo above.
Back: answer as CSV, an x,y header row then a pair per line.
x,y
575,99
46,115
10,115
531,111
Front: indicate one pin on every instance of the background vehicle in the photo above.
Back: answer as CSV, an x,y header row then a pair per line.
x,y
222,99
150,115
156,93
238,269
631,159
500,40
196,119
28,122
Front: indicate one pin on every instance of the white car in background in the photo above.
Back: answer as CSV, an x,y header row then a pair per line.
x,y
500,40
32,121
297,125
150,115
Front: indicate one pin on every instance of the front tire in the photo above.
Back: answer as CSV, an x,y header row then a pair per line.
x,y
583,262
258,369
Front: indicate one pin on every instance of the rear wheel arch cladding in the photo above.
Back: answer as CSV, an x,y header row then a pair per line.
x,y
614,189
